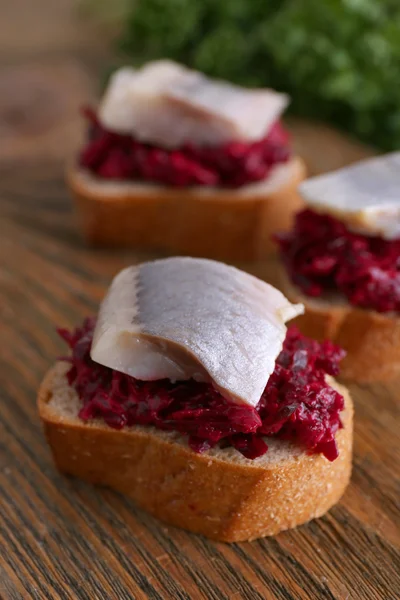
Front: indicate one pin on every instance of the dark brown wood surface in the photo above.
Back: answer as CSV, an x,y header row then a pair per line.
x,y
61,538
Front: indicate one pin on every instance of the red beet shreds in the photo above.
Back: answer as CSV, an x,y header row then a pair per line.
x,y
322,255
297,404
112,155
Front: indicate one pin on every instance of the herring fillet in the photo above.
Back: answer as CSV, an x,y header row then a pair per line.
x,y
165,103
229,111
133,104
179,318
365,196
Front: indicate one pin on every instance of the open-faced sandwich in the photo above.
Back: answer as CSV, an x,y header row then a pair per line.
x,y
342,260
177,161
188,393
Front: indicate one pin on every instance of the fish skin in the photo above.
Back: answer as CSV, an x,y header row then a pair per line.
x,y
166,104
182,317
364,196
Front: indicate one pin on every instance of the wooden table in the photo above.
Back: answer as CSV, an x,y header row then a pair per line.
x,y
63,539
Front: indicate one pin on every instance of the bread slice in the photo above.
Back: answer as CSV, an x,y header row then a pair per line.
x,y
220,493
371,339
199,221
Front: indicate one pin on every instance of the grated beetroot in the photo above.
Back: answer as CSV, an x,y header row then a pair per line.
x,y
115,156
322,255
297,403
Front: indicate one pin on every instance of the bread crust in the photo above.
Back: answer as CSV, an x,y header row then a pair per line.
x,y
214,223
219,494
371,339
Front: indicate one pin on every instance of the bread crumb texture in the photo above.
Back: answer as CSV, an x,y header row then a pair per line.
x,y
220,493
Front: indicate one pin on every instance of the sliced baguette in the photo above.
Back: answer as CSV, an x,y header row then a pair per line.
x,y
371,339
210,222
219,494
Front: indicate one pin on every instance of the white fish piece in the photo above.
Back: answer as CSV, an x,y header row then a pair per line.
x,y
364,196
166,104
132,96
117,97
181,317
225,112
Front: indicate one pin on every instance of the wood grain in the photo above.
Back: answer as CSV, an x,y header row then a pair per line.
x,y
63,539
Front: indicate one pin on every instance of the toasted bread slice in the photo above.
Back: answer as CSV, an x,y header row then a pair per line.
x,y
199,221
220,493
371,339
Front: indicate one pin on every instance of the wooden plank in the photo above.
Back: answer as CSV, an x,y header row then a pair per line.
x,y
60,537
